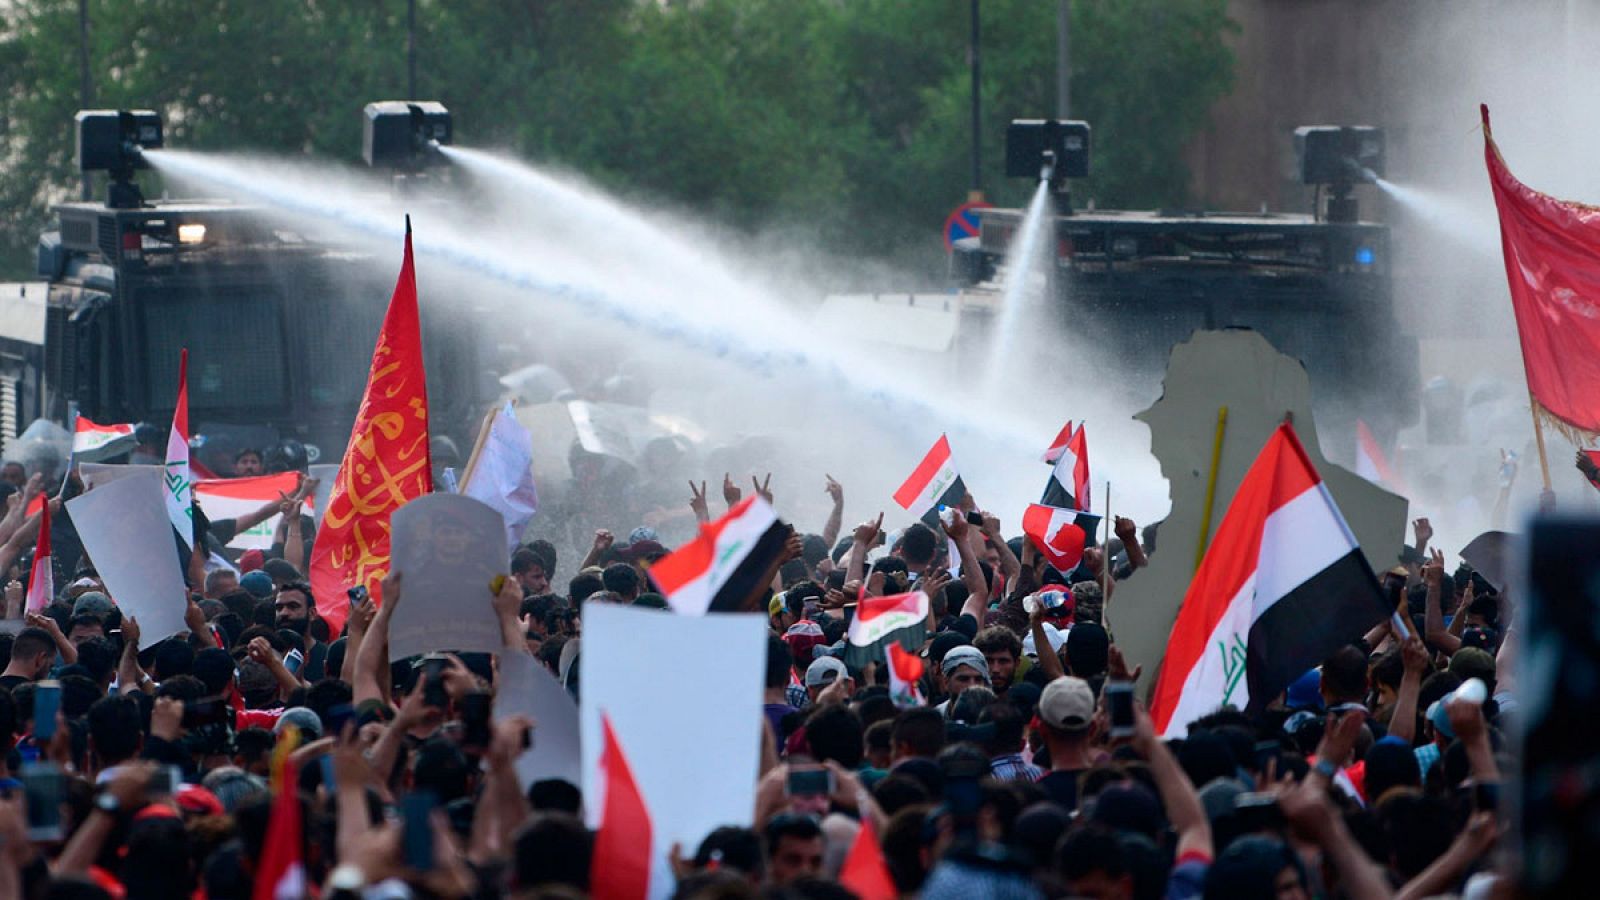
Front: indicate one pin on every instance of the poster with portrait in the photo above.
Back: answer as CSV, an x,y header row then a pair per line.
x,y
448,548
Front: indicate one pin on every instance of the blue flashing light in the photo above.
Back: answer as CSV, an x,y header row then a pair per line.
x,y
1365,256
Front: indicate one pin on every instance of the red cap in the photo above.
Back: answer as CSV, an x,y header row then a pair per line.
x,y
192,798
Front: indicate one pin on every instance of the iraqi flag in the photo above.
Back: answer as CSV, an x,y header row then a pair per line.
x,y
1060,534
865,872
624,864
1059,445
879,620
1282,585
1068,487
935,483
720,568
905,672
92,442
42,578
179,479
1371,463
281,872
232,498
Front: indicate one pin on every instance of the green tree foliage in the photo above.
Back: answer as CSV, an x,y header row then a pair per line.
x,y
846,116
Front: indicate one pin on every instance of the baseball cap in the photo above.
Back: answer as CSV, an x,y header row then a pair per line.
x,y
965,655
825,671
302,718
776,604
1067,704
192,798
643,533
258,583
1305,692
92,602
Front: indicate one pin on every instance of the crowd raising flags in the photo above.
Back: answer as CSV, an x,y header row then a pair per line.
x,y
385,464
1282,585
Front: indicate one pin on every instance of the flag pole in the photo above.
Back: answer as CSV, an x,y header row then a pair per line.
x,y
477,445
1105,563
1211,488
1538,437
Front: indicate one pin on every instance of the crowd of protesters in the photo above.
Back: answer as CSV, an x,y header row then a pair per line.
x,y
1375,775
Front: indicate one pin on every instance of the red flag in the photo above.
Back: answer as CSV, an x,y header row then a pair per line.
x,y
1552,256
865,873
281,873
1059,445
1060,534
905,671
385,464
1282,585
42,579
620,867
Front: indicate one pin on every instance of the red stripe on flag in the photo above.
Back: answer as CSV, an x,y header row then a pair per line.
x,y
929,467
907,666
865,872
1059,444
620,867
869,608
1279,474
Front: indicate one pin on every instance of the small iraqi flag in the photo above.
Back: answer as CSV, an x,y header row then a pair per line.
x,y
1371,463
1059,445
42,578
621,866
718,569
933,484
1060,534
898,617
1068,487
1282,585
93,443
905,672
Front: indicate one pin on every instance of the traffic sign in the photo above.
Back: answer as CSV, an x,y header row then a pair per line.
x,y
962,223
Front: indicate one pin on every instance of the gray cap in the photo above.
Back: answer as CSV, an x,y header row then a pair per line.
x,y
825,671
965,655
302,718
93,603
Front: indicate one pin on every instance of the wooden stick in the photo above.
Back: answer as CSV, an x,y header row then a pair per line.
x,y
1105,564
1538,437
477,447
1211,488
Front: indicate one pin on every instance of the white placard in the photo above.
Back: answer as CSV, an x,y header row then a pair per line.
x,y
325,473
96,474
124,528
527,688
684,697
449,548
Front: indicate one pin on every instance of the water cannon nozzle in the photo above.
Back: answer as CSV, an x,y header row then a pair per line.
x,y
405,135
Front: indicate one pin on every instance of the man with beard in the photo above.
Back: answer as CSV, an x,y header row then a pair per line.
x,y
295,610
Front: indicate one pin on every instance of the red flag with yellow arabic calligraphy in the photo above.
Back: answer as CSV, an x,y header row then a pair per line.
x,y
385,464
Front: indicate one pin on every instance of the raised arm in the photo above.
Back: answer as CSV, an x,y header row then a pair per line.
x,y
1009,564
1178,796
372,662
977,604
866,535
1403,723
1439,637
603,540
830,531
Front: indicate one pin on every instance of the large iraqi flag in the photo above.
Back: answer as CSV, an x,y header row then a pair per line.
x,y
1282,585
722,566
935,483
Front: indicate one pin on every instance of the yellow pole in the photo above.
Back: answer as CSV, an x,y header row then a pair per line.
x,y
1211,488
1538,436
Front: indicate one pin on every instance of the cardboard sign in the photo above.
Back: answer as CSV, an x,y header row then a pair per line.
x,y
1490,555
684,697
1240,370
527,688
124,528
449,548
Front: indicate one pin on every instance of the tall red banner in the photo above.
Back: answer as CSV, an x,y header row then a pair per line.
x,y
385,464
1552,253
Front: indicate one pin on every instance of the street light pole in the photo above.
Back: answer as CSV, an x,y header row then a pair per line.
x,y
85,86
411,49
975,63
1063,59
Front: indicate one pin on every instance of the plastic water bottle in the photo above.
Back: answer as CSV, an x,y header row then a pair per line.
x,y
1473,691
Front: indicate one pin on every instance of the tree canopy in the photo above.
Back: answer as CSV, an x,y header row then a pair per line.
x,y
849,117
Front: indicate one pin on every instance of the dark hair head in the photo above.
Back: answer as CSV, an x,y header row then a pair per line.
x,y
1249,869
1089,850
779,660
1389,669
552,849
555,795
30,642
998,638
159,860
524,560
283,573
325,696
174,656
897,792
1486,608
918,544
834,732
78,693
97,657
621,579
734,847
582,585
442,768
547,552
253,743
1009,727
214,667
1419,830
115,726
240,602
788,825
1088,650
1344,675
920,731
1390,764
